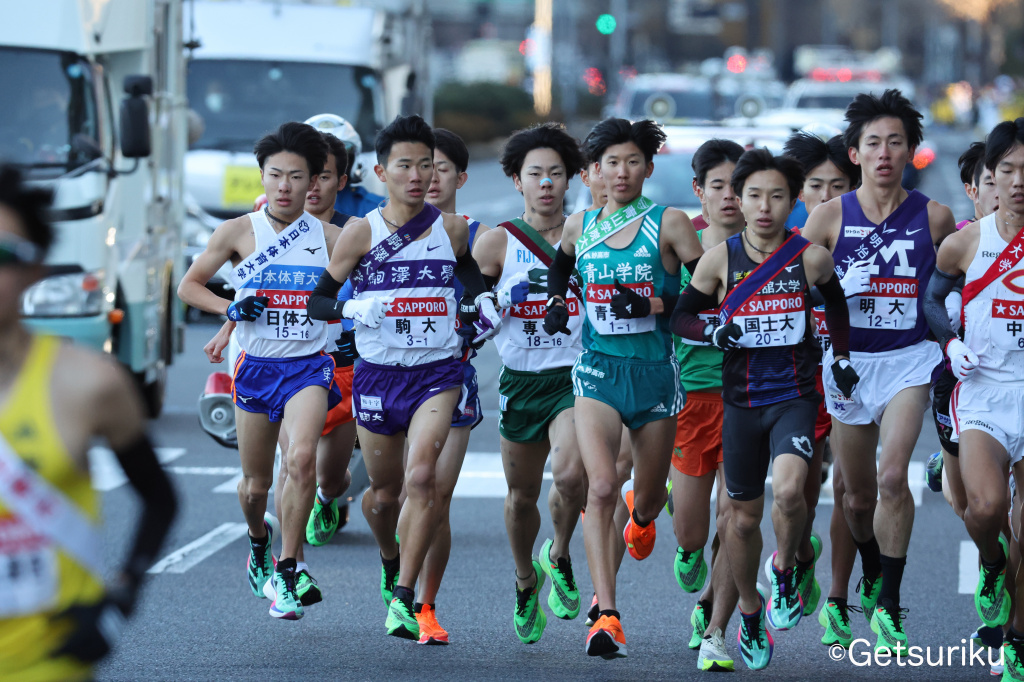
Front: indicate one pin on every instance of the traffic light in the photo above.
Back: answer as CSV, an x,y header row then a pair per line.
x,y
605,24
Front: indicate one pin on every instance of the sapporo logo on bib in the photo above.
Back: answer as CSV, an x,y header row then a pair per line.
x,y
524,319
420,322
599,312
28,564
1007,327
769,320
891,303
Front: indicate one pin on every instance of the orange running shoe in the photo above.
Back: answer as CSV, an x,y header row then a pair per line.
x,y
430,631
606,639
639,541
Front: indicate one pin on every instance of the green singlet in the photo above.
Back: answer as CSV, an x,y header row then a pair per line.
x,y
700,365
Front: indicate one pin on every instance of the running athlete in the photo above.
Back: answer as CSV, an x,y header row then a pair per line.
x,y
403,259
57,615
988,403
760,280
895,232
283,377
535,383
628,255
697,455
828,173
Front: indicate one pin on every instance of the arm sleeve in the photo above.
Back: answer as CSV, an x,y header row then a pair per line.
x,y
490,281
559,273
684,321
691,266
939,287
670,294
837,315
816,297
323,303
468,273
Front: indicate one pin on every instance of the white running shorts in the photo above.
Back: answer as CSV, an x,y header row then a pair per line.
x,y
996,409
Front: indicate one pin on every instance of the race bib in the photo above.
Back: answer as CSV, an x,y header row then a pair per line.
x,y
525,320
28,570
891,304
420,322
599,311
772,320
821,329
1007,328
707,317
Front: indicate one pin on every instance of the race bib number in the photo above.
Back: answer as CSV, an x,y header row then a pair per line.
x,y
707,317
1007,327
599,310
525,324
285,317
420,322
772,320
891,304
28,570
821,330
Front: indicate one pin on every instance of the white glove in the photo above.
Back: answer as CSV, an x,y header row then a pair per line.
x,y
857,279
963,359
489,322
367,311
954,303
515,290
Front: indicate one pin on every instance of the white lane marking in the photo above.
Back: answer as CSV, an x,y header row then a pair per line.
x,y
191,554
106,473
969,570
205,471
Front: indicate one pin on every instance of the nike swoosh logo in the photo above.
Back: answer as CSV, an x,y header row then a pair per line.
x,y
915,231
313,251
526,629
435,388
431,248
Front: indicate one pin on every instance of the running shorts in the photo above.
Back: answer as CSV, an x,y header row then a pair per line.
x,y
342,412
529,401
942,391
468,413
698,447
385,397
641,391
998,410
265,385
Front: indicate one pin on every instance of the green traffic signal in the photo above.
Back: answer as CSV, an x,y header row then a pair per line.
x,y
605,24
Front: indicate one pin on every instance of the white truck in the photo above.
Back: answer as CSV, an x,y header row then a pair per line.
x,y
96,110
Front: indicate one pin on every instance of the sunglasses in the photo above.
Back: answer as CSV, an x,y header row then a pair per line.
x,y
15,251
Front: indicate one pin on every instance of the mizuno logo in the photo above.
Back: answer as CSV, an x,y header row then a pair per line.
x,y
313,251
790,268
244,399
642,252
431,248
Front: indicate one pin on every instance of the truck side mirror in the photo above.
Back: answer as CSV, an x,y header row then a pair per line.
x,y
135,143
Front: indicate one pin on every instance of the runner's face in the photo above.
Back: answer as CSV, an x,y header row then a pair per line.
x,y
1009,177
286,180
985,196
765,203
883,152
14,279
408,173
542,197
823,183
624,170
591,177
325,187
718,200
445,180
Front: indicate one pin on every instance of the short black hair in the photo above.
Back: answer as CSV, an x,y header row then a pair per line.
x,y
403,129
972,163
713,154
452,146
754,160
297,138
30,204
645,134
810,151
542,136
866,108
336,147
1001,140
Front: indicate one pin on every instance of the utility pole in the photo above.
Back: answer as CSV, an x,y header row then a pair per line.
x,y
540,33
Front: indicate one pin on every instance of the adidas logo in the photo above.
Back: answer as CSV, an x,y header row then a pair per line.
x,y
642,252
659,408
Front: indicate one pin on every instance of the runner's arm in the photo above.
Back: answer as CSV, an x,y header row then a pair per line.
x,y
696,297
940,221
559,274
215,346
488,250
219,250
353,243
821,224
821,273
948,273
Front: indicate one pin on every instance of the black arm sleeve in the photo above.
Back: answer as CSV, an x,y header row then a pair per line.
x,y
469,275
684,321
939,288
692,265
559,273
837,315
490,281
323,303
159,505
669,302
816,297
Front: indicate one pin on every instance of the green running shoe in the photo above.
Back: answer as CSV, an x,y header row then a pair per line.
x,y
322,523
388,580
690,568
307,589
260,566
933,472
699,620
784,606
806,583
670,506
991,598
887,623
1013,660
564,597
528,618
835,618
868,590
755,642
402,621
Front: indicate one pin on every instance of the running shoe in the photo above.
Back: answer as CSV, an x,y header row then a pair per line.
x,y
606,639
322,523
835,618
593,613
784,605
868,590
986,636
991,599
670,506
388,580
528,619
639,541
887,623
933,472
713,656
997,670
431,631
690,568
564,597
755,642
699,620
402,621
260,565
1013,660
280,590
806,583
307,589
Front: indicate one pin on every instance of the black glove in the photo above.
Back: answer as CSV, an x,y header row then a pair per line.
x,y
248,309
627,304
346,354
725,337
468,315
846,376
96,628
557,319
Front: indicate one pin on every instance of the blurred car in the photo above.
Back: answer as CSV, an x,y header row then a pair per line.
x,y
695,99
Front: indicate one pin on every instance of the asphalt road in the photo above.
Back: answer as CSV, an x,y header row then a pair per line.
x,y
198,619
